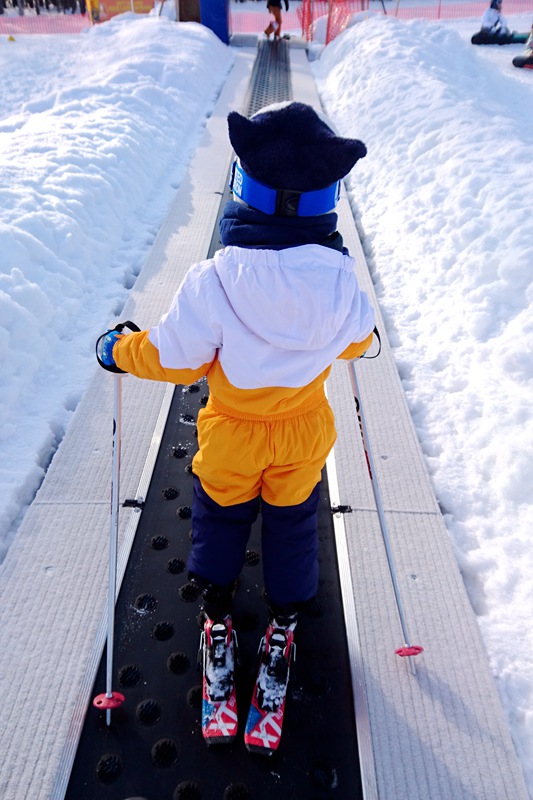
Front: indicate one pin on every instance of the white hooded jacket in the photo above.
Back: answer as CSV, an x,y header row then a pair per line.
x,y
275,317
493,21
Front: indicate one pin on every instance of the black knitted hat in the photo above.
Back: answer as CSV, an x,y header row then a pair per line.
x,y
289,146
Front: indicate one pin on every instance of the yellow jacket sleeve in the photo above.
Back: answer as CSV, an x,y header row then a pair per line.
x,y
356,349
136,354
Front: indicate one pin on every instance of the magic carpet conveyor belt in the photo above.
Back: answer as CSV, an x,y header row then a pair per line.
x,y
153,749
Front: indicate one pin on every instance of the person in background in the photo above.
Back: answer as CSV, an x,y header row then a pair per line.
x,y
494,28
526,59
493,20
274,6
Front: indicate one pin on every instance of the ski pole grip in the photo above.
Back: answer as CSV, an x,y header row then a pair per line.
x,y
127,324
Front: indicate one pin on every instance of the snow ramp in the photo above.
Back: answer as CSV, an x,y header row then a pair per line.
x,y
361,722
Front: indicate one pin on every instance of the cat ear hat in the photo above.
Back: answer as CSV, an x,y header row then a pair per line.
x,y
289,160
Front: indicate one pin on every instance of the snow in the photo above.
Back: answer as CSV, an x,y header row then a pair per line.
x,y
445,216
95,135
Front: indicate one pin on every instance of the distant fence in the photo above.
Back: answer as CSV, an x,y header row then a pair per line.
x,y
52,21
336,14
73,16
339,12
447,9
101,10
62,16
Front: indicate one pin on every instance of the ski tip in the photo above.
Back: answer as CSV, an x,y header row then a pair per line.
x,y
260,751
215,741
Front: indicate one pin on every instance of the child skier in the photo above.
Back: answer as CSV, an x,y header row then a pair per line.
x,y
263,319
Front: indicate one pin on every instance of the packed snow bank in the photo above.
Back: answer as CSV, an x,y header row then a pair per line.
x,y
444,205
96,133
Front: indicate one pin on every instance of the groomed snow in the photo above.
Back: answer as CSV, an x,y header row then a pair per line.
x,y
96,132
445,208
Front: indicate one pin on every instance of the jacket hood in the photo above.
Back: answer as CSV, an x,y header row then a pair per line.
x,y
301,298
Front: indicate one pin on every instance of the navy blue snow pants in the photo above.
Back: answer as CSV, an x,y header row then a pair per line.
x,y
289,538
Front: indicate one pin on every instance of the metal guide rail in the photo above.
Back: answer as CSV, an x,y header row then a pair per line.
x,y
153,749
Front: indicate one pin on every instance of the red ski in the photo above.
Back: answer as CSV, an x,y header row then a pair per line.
x,y
265,718
219,699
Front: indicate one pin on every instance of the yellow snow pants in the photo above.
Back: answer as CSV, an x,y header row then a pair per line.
x,y
279,458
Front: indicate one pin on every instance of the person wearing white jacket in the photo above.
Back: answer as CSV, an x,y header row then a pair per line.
x,y
493,20
494,27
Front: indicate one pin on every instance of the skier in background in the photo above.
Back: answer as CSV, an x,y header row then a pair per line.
x,y
493,20
274,6
526,60
263,319
494,28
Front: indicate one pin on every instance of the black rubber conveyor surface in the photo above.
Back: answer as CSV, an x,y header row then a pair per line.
x,y
154,749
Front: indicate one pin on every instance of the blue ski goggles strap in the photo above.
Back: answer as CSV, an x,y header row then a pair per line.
x,y
282,202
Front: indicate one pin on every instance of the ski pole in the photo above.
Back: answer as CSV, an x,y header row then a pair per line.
x,y
408,649
112,699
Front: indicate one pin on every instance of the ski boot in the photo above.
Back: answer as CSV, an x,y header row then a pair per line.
x,y
218,644
265,718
